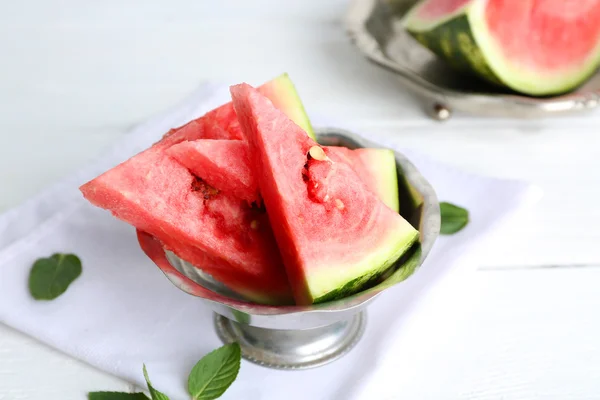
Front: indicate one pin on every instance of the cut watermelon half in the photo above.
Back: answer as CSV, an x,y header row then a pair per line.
x,y
335,235
537,47
225,165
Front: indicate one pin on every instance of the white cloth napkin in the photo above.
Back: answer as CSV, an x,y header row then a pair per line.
x,y
122,311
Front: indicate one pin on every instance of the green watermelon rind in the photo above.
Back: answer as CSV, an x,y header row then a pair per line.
x,y
462,38
300,117
388,177
334,285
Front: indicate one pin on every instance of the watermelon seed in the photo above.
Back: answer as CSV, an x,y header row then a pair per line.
x,y
258,207
305,172
317,153
339,204
254,224
198,185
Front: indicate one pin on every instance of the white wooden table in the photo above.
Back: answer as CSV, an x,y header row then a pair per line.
x,y
76,75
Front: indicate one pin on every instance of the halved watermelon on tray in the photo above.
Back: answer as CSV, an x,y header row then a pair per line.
x,y
211,193
533,47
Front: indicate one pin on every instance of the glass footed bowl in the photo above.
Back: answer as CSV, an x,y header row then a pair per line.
x,y
298,337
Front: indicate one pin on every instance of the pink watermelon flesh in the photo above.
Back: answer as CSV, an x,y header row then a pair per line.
x,y
223,164
375,167
211,230
550,34
205,127
334,234
543,35
157,195
440,8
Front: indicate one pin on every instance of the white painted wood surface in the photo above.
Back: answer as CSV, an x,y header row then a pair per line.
x,y
76,75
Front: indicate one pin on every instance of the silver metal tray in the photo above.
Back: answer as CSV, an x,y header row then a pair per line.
x,y
375,28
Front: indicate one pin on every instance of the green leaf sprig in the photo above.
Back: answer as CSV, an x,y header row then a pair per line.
x,y
208,380
50,277
155,394
116,396
454,218
215,372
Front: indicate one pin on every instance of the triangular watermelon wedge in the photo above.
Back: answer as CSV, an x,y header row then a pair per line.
x,y
157,195
334,234
225,165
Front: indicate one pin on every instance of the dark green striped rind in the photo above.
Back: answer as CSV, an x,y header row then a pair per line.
x,y
453,41
373,277
352,287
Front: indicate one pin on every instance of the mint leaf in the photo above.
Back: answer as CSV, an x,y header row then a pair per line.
x,y
156,395
215,372
454,218
50,277
116,396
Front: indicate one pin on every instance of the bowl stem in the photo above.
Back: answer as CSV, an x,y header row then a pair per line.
x,y
293,349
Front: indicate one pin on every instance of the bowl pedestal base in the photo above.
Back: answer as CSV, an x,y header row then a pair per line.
x,y
292,349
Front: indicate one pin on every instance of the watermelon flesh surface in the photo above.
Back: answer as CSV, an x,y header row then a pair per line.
x,y
552,35
334,234
157,195
375,167
537,47
205,127
214,231
225,165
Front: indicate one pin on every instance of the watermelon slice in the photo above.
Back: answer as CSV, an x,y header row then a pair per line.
x,y
531,46
225,165
214,231
154,193
335,235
